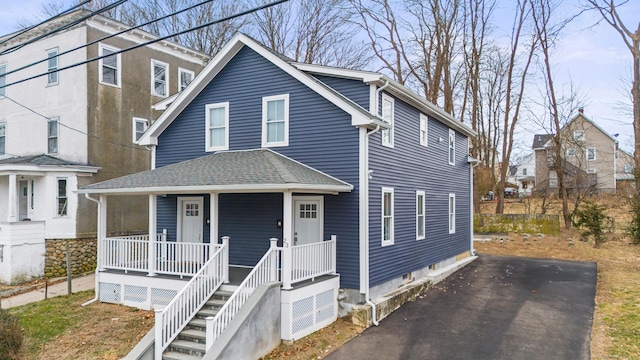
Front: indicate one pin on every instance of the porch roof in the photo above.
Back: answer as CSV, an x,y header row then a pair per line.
x,y
258,170
42,162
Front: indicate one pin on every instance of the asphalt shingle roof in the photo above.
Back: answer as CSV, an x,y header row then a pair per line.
x,y
540,139
38,160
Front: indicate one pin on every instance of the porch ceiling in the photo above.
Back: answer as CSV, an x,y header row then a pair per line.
x,y
259,170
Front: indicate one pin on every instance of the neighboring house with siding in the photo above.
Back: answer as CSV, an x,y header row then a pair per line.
x,y
75,127
362,185
524,175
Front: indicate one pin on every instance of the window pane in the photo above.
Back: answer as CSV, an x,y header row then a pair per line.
x,y
2,150
271,111
159,88
217,137
62,187
53,128
111,61
109,75
387,204
3,79
387,228
216,117
420,205
185,79
53,145
2,129
420,225
159,72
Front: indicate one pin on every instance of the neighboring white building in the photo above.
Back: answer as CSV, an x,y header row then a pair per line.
x,y
524,174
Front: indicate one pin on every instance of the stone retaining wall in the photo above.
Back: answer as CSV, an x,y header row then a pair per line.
x,y
83,256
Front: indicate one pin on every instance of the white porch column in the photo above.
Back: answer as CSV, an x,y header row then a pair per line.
x,y
101,232
152,234
287,238
213,219
13,192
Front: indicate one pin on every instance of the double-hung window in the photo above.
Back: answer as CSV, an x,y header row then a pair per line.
x,y
62,197
452,147
275,120
139,127
627,167
52,135
184,78
3,138
159,79
217,126
591,153
387,216
109,66
3,80
424,129
452,213
387,116
571,152
52,66
578,135
420,218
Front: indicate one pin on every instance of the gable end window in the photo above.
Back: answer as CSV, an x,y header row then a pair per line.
x,y
275,120
591,153
387,116
424,130
159,78
627,167
387,216
420,218
52,136
452,147
109,66
452,213
3,138
571,152
3,80
139,127
217,127
62,197
52,66
578,135
184,78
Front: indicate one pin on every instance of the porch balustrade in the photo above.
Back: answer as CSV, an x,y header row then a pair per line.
x,y
312,260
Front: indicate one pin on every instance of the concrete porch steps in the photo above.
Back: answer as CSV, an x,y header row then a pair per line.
x,y
190,343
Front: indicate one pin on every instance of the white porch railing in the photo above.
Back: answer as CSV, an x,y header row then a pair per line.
x,y
126,252
312,260
266,270
178,258
177,314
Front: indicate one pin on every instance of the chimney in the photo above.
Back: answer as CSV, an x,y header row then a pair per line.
x,y
581,110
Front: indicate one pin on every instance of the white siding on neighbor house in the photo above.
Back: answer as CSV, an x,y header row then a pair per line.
x,y
24,242
4,195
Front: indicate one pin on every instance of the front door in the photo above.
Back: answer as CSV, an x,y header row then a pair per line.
x,y
23,200
308,220
190,219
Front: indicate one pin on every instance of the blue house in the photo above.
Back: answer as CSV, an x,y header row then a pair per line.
x,y
315,178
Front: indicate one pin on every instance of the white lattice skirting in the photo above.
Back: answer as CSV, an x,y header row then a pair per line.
x,y
309,308
138,291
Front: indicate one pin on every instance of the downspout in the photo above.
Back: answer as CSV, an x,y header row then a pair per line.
x,y
472,164
97,285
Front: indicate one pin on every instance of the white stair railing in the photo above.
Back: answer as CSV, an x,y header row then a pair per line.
x,y
184,306
265,271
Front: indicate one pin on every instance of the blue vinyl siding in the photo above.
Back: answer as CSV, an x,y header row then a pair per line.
x,y
355,90
407,168
320,136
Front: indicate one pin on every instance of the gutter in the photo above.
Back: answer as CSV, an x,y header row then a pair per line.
x,y
96,277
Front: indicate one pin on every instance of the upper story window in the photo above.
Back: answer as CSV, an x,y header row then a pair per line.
x,y
420,218
52,136
159,81
217,127
387,116
275,120
52,66
62,197
591,153
452,147
387,216
578,135
524,171
109,66
627,167
452,213
571,152
3,136
184,77
139,127
424,129
3,80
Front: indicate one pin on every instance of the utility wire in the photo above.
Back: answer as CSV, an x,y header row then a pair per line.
x,y
106,37
233,16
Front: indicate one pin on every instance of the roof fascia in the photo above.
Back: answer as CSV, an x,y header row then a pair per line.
x,y
244,188
6,169
365,76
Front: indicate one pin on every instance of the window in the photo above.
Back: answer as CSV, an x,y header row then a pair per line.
x,y
553,179
578,135
387,216
109,66
424,129
452,213
420,215
3,138
387,116
217,127
571,152
184,78
52,136
139,127
524,172
52,66
62,197
159,80
452,147
591,171
591,153
3,79
627,167
275,120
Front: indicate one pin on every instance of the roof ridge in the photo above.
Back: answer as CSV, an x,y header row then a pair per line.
x,y
280,167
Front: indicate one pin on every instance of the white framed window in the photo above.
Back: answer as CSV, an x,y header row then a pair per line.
x,y
159,78
591,153
52,66
591,171
387,115
627,167
3,80
139,127
452,147
578,135
184,78
452,213
275,120
3,138
387,216
571,152
109,66
524,171
53,127
553,179
420,217
62,197
424,130
217,127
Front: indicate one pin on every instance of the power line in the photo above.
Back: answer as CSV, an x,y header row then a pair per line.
x,y
233,16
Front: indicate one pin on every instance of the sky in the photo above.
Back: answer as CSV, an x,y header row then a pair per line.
x,y
592,57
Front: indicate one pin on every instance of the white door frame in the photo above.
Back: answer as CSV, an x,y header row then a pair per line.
x,y
320,200
181,200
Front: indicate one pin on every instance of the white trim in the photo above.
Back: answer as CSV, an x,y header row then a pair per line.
x,y
320,211
244,188
451,216
57,74
390,241
389,131
214,210
165,65
265,101
424,128
424,215
180,201
135,121
587,153
451,145
363,206
186,71
207,126
118,79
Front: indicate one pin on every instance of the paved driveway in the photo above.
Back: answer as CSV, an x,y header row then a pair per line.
x,y
495,308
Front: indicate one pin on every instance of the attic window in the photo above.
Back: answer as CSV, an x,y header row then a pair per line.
x,y
578,135
387,116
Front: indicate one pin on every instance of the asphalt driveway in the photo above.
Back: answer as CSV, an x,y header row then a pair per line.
x,y
495,308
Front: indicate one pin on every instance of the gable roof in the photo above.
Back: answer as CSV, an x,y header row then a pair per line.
x,y
258,170
540,140
581,115
42,162
359,115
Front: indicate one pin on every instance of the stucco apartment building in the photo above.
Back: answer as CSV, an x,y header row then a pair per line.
x,y
74,127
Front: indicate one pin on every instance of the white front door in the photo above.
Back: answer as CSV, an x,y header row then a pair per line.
x,y
308,220
190,219
23,200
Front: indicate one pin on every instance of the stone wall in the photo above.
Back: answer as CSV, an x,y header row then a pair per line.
x,y
83,256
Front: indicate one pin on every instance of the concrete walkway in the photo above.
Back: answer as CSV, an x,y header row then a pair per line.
x,y
85,282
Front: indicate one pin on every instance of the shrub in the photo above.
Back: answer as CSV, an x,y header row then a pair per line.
x,y
633,230
10,336
591,218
